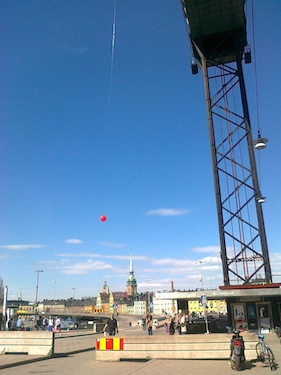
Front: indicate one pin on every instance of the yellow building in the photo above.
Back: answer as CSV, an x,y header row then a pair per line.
x,y
214,306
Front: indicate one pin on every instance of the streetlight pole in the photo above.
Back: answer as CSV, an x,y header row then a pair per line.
x,y
5,323
201,276
55,283
37,285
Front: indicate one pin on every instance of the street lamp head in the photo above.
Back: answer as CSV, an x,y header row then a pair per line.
x,y
260,143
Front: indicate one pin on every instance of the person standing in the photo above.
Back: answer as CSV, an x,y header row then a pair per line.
x,y
45,323
10,321
149,324
143,323
51,324
183,328
58,325
171,326
19,323
111,326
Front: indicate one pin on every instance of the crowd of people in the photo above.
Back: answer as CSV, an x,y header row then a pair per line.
x,y
111,326
43,323
177,323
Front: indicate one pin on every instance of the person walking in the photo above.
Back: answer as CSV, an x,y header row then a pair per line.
x,y
57,325
111,326
149,324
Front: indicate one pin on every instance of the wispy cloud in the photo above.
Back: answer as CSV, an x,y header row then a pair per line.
x,y
73,241
167,212
78,255
275,260
22,247
125,257
94,255
151,285
83,268
208,260
112,244
171,262
207,249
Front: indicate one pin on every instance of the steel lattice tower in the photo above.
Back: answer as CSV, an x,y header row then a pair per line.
x,y
217,31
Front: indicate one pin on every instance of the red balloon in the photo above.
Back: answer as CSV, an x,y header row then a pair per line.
x,y
102,218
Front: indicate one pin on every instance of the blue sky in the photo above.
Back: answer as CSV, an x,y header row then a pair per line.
x,y
80,140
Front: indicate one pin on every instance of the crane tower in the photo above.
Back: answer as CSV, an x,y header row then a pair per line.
x,y
217,31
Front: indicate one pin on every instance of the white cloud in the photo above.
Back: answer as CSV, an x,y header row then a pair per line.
x,y
275,262
207,249
125,257
167,212
208,260
73,241
79,255
93,255
22,247
150,286
84,268
172,262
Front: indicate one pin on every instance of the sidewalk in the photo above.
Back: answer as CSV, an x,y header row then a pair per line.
x,y
74,353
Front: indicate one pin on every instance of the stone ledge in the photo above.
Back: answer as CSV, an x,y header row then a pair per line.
x,y
212,346
27,342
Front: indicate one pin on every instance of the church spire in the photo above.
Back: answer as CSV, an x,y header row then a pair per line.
x,y
131,263
131,282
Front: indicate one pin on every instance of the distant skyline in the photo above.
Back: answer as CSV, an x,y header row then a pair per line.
x,y
85,132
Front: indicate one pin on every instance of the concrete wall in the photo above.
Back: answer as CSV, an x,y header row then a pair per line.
x,y
212,346
27,342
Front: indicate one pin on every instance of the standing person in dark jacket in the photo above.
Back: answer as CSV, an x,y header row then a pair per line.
x,y
111,326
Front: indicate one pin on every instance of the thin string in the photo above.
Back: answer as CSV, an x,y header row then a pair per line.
x,y
112,58
255,66
104,189
256,86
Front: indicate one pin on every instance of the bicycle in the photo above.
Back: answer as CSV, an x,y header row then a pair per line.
x,y
265,354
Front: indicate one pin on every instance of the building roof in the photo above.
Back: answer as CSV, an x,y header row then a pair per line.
x,y
221,294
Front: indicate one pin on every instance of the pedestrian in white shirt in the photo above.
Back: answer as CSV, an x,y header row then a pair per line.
x,y
57,325
51,324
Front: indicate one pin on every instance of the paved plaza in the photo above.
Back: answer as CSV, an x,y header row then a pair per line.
x,y
75,354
